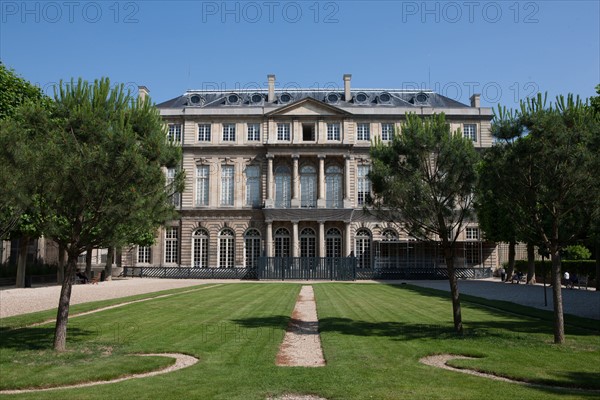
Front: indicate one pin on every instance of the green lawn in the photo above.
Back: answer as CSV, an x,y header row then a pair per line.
x,y
372,336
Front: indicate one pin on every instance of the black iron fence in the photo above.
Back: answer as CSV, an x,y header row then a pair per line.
x,y
307,268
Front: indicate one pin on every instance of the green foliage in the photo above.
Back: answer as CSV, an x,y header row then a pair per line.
x,y
425,177
577,252
107,186
15,91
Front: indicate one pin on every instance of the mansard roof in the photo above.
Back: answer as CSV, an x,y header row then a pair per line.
x,y
359,99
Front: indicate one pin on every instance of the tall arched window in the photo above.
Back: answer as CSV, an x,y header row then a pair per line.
x,y
308,243
389,246
283,187
252,247
253,186
333,243
308,187
362,248
334,196
200,248
226,248
282,243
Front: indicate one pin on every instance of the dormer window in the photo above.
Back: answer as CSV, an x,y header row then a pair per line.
x,y
332,98
196,100
257,98
285,98
361,98
384,98
233,99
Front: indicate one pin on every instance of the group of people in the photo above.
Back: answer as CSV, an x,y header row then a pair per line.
x,y
570,280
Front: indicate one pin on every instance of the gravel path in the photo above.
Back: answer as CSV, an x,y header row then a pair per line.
x,y
181,361
22,301
583,303
301,346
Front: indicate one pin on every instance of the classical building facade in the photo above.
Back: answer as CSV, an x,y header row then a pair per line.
x,y
283,173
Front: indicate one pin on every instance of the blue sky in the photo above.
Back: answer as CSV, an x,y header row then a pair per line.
x,y
505,50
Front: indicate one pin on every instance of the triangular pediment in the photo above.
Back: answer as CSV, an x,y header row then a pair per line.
x,y
308,106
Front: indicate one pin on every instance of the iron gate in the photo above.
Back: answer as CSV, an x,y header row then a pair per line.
x,y
307,268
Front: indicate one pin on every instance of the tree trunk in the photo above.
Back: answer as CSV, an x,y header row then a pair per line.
x,y
62,316
512,252
456,312
109,264
559,323
88,262
60,271
598,265
22,261
530,264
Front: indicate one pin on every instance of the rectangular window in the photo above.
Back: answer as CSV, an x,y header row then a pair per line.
x,y
229,132
227,185
253,186
253,132
363,132
308,132
470,131
171,245
144,255
363,184
174,197
283,132
174,133
333,131
204,132
472,233
387,131
202,185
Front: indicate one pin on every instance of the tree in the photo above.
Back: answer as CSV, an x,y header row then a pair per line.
x,y
561,155
424,181
104,161
499,216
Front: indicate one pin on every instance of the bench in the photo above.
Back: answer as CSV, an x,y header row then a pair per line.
x,y
95,279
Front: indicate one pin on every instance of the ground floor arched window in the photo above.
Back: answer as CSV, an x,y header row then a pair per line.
x,y
308,243
200,248
226,249
333,243
282,243
362,248
252,248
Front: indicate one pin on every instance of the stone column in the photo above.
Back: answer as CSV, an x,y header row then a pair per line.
x,y
269,244
347,240
295,182
321,196
269,202
295,240
321,238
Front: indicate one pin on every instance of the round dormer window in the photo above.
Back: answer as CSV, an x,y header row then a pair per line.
x,y
195,99
256,98
332,98
421,98
285,98
385,98
233,98
361,98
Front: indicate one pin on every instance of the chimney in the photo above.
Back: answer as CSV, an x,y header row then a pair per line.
x,y
475,100
347,93
271,96
143,92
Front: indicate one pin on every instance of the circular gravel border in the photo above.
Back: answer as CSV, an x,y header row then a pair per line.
x,y
181,361
440,361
